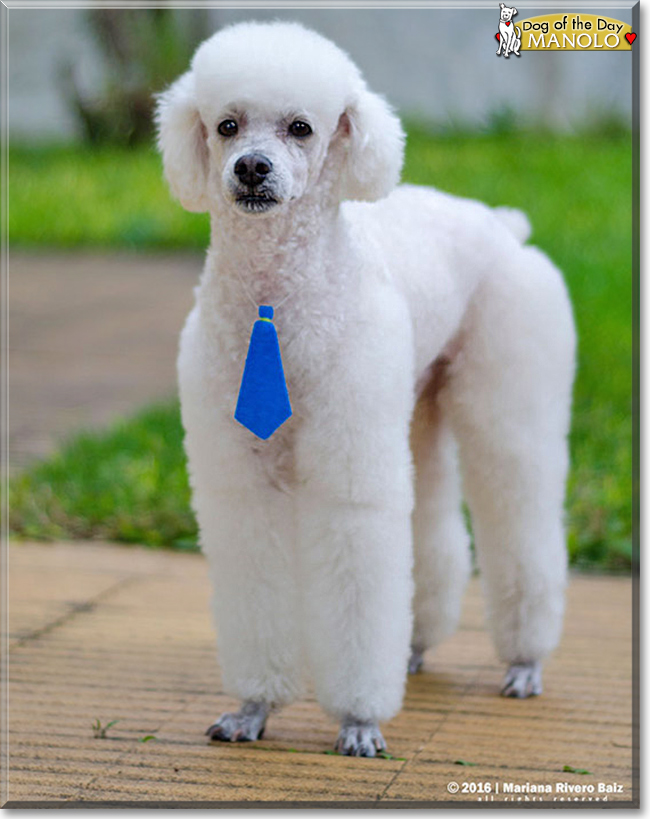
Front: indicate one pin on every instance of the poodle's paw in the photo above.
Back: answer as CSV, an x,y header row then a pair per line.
x,y
523,680
244,725
416,661
358,738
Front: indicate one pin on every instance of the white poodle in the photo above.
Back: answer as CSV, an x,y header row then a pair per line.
x,y
418,334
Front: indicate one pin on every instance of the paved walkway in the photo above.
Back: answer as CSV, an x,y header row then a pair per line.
x,y
91,337
107,633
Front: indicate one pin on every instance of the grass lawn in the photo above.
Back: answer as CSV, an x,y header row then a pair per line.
x,y
129,483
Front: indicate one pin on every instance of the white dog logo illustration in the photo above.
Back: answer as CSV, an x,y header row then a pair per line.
x,y
509,35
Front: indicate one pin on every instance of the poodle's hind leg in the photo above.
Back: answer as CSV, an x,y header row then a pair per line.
x,y
509,395
440,538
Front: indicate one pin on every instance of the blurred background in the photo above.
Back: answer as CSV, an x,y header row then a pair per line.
x,y
79,74
102,261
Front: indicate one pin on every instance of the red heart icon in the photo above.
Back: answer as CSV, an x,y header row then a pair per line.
x,y
630,37
507,24
497,36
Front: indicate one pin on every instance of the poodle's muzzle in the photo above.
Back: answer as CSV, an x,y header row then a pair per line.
x,y
254,190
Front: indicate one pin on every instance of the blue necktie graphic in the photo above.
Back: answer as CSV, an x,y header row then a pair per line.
x,y
263,403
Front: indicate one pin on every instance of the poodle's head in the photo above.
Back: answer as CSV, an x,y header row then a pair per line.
x,y
270,112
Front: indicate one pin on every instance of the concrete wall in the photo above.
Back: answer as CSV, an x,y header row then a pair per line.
x,y
439,64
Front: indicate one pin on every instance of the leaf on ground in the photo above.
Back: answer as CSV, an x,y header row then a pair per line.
x,y
148,738
380,754
464,762
100,730
571,769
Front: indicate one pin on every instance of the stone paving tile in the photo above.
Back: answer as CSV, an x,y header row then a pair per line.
x,y
108,632
91,337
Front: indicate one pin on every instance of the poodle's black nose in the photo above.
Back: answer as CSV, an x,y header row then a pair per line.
x,y
252,169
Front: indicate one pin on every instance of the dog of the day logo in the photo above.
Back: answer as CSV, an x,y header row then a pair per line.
x,y
509,35
561,32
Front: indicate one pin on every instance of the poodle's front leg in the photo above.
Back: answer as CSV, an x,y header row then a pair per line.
x,y
354,541
241,726
355,557
248,535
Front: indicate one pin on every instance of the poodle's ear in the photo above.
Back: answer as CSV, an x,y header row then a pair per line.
x,y
375,148
182,143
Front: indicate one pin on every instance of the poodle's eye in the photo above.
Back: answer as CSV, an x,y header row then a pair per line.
x,y
227,128
299,129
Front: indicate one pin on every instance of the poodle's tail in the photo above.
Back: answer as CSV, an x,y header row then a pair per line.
x,y
516,221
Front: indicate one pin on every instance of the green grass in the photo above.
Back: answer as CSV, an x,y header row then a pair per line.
x,y
130,484
103,198
127,484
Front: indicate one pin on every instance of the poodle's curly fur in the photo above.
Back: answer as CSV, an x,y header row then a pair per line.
x,y
422,340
